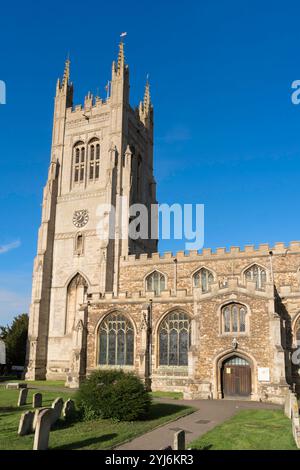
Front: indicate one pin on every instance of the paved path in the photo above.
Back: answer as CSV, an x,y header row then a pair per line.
x,y
210,413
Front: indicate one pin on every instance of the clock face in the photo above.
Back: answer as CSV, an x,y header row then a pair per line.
x,y
80,218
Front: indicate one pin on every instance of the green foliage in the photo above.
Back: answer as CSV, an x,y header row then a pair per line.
x,y
15,339
113,394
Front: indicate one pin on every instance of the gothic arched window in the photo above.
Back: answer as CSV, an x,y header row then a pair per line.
x,y
155,282
203,278
78,162
297,332
116,338
234,318
76,294
258,275
94,159
174,339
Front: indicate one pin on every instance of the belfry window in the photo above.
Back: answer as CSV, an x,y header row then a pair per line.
x,y
97,162
116,341
174,339
234,318
155,282
203,278
257,274
94,160
79,162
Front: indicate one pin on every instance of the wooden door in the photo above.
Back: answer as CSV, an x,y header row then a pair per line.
x,y
236,377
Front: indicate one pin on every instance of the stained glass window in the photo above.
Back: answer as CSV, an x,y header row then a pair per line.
x,y
174,339
203,278
116,338
226,320
155,282
257,274
234,318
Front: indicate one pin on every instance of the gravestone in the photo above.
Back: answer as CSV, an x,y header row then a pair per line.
x,y
287,405
179,440
37,400
295,410
42,430
68,409
57,407
15,385
36,415
296,433
22,396
26,422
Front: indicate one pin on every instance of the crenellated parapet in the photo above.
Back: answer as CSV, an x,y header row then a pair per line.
x,y
168,295
247,251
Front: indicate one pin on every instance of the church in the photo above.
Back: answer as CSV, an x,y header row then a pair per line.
x,y
211,324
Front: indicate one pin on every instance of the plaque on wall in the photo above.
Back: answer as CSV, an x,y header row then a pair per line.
x,y
263,374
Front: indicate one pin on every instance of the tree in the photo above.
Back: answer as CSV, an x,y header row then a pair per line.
x,y
15,339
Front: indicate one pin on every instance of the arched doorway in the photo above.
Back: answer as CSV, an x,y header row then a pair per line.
x,y
236,377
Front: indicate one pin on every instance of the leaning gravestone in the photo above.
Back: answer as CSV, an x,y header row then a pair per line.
x,y
42,430
37,400
23,396
36,415
179,440
26,422
68,409
57,407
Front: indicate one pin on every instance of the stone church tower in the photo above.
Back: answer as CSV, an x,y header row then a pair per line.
x,y
215,324
100,151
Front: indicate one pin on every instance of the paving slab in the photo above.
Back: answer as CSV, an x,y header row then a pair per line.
x,y
209,414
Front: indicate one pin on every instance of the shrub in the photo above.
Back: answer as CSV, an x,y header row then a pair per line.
x,y
113,394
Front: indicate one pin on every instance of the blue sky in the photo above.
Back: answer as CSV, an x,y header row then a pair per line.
x,y
226,132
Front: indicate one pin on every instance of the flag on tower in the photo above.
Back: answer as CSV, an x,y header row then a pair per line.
x,y
122,35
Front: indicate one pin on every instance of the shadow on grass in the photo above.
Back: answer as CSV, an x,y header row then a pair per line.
x,y
9,409
204,447
160,410
86,442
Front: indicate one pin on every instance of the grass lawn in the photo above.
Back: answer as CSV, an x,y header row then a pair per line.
x,y
250,430
98,434
37,383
